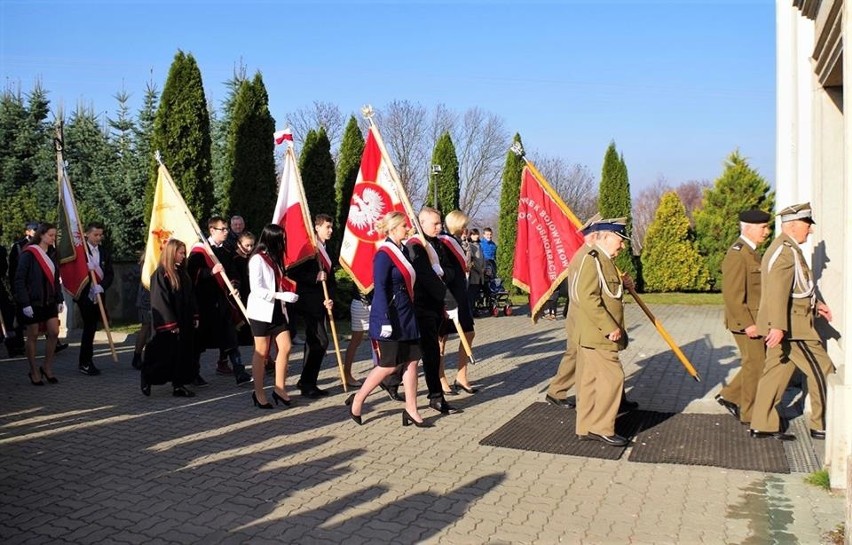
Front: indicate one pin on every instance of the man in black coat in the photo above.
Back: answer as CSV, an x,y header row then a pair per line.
x,y
313,306
100,263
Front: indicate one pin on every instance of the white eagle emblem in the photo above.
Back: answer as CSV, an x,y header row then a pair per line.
x,y
366,209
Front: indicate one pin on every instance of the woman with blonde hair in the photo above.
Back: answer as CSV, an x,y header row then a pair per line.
x,y
455,276
170,354
393,327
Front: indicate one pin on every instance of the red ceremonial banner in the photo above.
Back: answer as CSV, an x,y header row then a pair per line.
x,y
547,240
373,196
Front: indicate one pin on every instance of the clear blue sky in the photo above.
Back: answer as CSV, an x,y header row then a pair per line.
x,y
678,85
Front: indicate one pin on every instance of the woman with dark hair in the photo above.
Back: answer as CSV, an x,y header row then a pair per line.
x,y
393,327
39,299
270,290
170,356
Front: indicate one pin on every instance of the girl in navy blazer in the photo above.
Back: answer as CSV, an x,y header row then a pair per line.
x,y
267,312
393,328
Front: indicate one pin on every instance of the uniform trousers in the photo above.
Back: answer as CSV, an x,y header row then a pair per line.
x,y
808,356
91,314
601,381
429,324
743,387
566,372
316,345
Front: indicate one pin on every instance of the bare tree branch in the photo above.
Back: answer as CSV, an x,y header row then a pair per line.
x,y
404,129
320,114
573,182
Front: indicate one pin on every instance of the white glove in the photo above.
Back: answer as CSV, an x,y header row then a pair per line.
x,y
453,314
28,312
92,265
286,296
96,289
60,307
438,270
386,331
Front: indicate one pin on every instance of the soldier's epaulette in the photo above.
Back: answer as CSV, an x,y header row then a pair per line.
x,y
593,253
787,244
737,246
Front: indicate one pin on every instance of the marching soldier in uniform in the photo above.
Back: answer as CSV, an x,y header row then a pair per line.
x,y
741,293
788,307
596,290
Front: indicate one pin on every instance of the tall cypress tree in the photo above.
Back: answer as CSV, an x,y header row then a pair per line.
x,y
251,155
670,258
348,165
317,168
90,165
614,202
447,179
220,124
739,188
509,195
182,135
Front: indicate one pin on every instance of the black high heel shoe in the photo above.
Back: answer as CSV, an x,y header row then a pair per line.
x,y
407,420
277,398
33,382
52,380
355,417
471,390
257,404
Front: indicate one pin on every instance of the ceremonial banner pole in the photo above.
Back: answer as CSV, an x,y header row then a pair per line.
x,y
517,149
367,112
63,180
312,234
200,234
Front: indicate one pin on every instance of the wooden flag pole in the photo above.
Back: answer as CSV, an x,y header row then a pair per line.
x,y
306,219
60,162
200,234
403,197
657,324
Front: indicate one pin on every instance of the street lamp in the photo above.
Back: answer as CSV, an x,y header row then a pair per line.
x,y
436,169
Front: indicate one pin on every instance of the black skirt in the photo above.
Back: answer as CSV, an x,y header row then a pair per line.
x,y
40,315
393,353
270,329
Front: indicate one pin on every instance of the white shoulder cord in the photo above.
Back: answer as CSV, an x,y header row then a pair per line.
x,y
602,282
805,285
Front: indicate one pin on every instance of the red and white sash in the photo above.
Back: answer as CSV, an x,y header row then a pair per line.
x,y
324,259
455,248
430,251
402,264
282,282
46,264
199,248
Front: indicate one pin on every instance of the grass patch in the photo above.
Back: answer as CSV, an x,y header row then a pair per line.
x,y
836,536
819,479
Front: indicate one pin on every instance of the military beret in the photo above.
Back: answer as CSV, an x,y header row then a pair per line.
x,y
797,212
754,216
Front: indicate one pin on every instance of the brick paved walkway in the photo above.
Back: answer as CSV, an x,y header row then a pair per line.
x,y
91,460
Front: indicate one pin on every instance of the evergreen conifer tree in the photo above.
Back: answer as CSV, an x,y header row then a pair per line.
x,y
509,196
614,202
182,135
739,188
447,179
348,165
220,123
250,187
317,168
670,258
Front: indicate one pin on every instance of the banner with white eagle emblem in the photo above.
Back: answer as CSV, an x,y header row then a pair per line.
x,y
373,196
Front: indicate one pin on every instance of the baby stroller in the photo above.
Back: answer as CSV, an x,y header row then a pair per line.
x,y
494,297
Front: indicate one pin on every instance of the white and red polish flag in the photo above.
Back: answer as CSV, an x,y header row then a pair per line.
x,y
548,236
73,258
282,136
291,209
373,196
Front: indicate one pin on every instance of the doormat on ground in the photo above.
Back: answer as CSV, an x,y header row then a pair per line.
x,y
708,440
543,427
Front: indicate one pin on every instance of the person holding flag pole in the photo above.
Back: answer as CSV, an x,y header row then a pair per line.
x,y
528,269
83,264
309,265
171,218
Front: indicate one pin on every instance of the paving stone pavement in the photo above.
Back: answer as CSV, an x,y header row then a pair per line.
x,y
91,460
